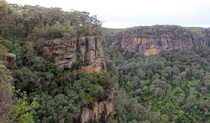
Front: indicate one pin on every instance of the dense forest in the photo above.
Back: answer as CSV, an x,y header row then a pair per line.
x,y
173,84
168,87
43,92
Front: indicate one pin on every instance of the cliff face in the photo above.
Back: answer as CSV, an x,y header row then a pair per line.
x,y
105,108
154,45
150,40
86,51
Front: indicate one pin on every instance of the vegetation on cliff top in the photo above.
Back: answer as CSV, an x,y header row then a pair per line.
x,y
169,87
43,92
157,31
174,84
34,22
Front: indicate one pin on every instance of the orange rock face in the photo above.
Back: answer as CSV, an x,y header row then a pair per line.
x,y
95,67
138,41
156,45
96,112
88,51
151,51
128,44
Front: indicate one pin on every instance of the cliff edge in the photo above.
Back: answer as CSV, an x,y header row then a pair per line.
x,y
84,51
150,40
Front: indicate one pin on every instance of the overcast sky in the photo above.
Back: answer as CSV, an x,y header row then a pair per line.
x,y
128,13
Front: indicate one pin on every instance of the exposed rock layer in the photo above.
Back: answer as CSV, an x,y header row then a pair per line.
x,y
86,51
105,108
154,45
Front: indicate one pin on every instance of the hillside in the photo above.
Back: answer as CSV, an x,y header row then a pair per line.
x,y
53,68
62,67
150,40
172,80
54,61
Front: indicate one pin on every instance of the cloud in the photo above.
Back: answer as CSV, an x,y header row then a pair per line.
x,y
126,13
118,24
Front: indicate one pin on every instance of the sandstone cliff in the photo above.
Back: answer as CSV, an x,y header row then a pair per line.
x,y
100,109
80,54
157,39
88,53
154,45
85,51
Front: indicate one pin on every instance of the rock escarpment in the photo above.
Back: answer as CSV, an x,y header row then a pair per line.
x,y
100,109
156,45
150,40
84,51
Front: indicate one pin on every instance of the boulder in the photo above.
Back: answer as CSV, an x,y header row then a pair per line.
x,y
10,59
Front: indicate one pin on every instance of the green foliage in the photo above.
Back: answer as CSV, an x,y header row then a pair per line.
x,y
171,87
129,110
8,44
47,84
6,92
22,110
3,51
173,32
174,84
12,45
41,65
47,93
35,22
8,19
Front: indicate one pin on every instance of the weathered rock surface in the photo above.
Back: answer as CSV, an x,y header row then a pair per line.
x,y
10,60
86,51
156,39
156,45
105,108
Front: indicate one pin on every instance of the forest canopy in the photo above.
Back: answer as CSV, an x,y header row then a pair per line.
x,y
34,22
169,87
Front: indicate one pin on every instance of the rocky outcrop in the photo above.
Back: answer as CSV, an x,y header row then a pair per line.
x,y
156,39
85,51
10,60
151,50
156,45
103,108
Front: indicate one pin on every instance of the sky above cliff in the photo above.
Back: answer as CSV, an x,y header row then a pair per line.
x,y
129,13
